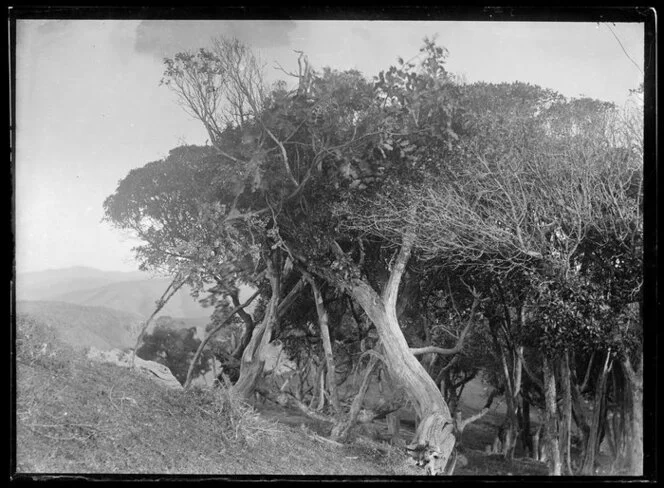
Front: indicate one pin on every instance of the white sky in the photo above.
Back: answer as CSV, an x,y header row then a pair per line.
x,y
89,107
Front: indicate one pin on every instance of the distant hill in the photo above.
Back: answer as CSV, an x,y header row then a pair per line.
x,y
139,297
134,292
44,285
81,326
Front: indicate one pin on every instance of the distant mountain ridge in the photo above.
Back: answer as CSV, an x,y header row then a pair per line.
x,y
139,297
135,292
42,285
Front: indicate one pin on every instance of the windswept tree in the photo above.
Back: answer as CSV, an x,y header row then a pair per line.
x,y
370,188
285,159
542,185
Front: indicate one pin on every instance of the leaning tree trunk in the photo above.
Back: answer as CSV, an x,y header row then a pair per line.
x,y
592,446
251,366
551,431
211,334
343,427
323,322
249,326
437,426
171,290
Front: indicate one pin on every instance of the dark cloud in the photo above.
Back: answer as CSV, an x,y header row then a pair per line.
x,y
164,38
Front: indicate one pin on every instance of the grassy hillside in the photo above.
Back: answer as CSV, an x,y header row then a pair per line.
x,y
76,416
81,326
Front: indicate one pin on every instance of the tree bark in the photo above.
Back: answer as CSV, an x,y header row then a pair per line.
x,y
526,435
211,334
586,377
321,388
566,414
393,426
249,326
341,430
436,427
515,413
251,366
323,322
536,444
580,415
592,445
511,393
551,411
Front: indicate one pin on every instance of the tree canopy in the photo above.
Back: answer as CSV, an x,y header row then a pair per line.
x,y
439,210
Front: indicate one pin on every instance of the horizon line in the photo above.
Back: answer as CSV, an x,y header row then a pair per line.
x,y
77,266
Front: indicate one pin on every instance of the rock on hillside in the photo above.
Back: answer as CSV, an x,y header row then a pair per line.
x,y
155,371
82,326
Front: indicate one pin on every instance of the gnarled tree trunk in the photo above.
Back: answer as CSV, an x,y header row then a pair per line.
x,y
249,326
437,426
251,366
202,345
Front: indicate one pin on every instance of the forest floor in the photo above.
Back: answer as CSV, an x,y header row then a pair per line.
x,y
77,417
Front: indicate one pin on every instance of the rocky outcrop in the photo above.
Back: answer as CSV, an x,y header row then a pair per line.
x,y
155,371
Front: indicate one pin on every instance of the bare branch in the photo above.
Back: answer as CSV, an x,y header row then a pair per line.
x,y
459,345
171,289
202,345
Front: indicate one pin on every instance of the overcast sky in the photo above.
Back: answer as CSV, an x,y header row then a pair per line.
x,y
89,107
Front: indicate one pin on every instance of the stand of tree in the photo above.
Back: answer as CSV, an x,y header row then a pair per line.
x,y
456,228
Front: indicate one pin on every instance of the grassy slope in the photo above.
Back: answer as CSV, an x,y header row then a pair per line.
x,y
82,326
76,416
